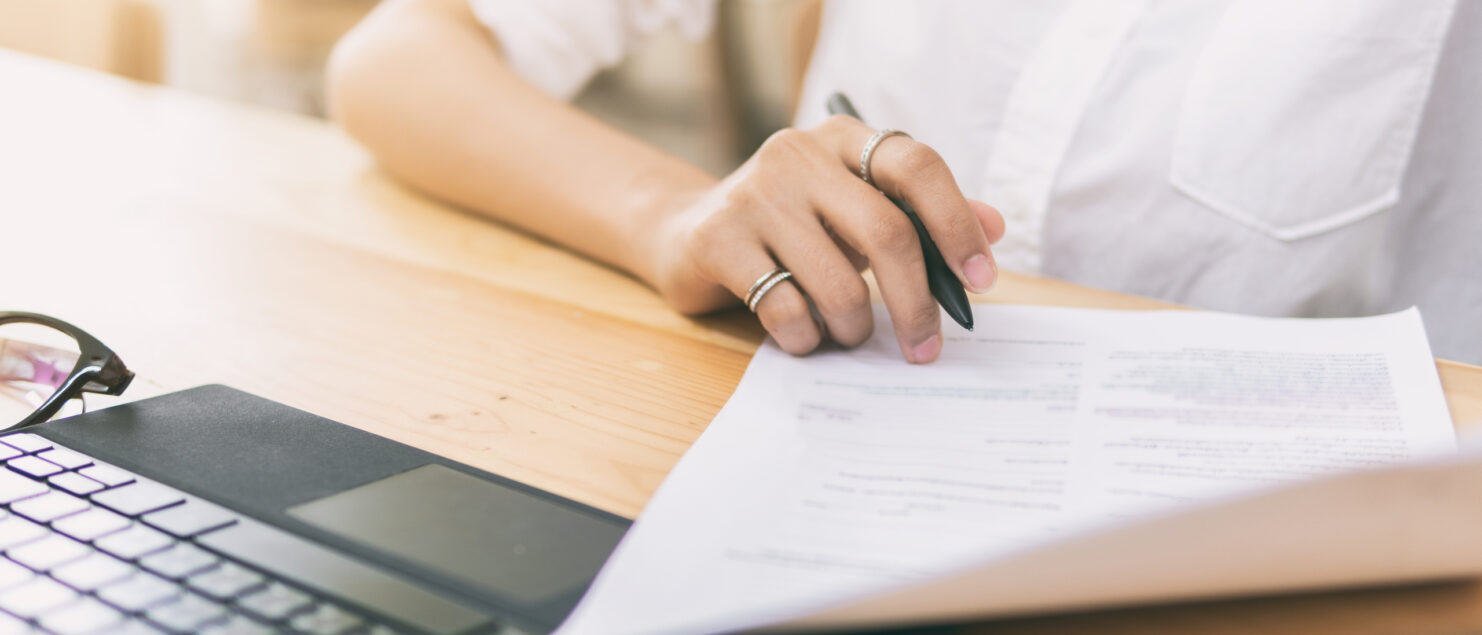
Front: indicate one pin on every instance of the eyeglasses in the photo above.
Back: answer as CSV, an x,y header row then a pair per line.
x,y
46,363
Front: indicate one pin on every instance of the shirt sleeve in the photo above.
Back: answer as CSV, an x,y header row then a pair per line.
x,y
558,45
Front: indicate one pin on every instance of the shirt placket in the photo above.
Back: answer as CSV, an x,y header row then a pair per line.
x,y
1044,108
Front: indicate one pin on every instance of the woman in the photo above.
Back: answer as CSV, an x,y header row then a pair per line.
x,y
1310,158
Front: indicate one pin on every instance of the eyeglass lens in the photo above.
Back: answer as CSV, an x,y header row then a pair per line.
x,y
35,362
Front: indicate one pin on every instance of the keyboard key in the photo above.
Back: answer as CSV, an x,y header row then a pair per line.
x,y
37,467
193,518
275,602
14,487
325,619
95,571
107,475
186,615
85,616
27,442
92,524
179,561
225,582
134,542
7,453
16,531
50,506
12,574
138,498
48,553
75,483
37,596
66,458
238,625
139,592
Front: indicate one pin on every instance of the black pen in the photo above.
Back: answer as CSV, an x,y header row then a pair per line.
x,y
939,277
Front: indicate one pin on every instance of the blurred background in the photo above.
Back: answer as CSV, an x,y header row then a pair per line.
x,y
710,101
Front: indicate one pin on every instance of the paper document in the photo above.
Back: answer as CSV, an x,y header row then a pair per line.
x,y
1053,458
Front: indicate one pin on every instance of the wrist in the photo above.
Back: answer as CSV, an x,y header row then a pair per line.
x,y
654,239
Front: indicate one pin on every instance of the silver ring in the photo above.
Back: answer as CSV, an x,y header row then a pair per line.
x,y
754,297
761,281
869,150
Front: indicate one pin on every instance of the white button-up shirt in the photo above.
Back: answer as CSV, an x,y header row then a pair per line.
x,y
1312,158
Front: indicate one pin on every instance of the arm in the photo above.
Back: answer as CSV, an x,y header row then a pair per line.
x,y
421,84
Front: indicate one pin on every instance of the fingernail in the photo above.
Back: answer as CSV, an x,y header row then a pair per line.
x,y
980,273
927,351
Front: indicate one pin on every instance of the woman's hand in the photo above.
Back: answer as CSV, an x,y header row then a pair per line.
x,y
799,204
420,83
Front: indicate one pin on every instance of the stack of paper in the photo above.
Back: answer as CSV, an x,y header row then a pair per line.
x,y
1054,459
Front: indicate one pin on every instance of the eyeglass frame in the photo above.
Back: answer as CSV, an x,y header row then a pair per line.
x,y
98,369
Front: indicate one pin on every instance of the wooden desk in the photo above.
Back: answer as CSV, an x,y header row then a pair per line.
x,y
213,243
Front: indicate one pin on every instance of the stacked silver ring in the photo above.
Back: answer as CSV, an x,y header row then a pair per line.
x,y
763,285
869,149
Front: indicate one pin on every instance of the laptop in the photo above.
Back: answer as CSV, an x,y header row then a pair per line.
x,y
215,511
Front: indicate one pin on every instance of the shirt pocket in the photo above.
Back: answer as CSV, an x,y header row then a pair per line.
x,y
1299,117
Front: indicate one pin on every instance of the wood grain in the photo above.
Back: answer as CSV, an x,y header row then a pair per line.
x,y
215,243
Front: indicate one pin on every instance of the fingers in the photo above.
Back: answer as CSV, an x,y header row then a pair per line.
x,y
907,169
821,273
737,263
798,203
880,230
827,276
910,170
989,219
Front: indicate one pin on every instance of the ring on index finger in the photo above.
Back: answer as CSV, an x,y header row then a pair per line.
x,y
869,151
763,285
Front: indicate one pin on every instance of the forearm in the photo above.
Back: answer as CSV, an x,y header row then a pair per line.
x,y
421,85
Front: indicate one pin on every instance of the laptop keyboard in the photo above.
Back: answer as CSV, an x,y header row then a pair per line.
x,y
91,548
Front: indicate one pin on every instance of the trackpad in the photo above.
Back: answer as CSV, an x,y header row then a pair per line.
x,y
515,545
